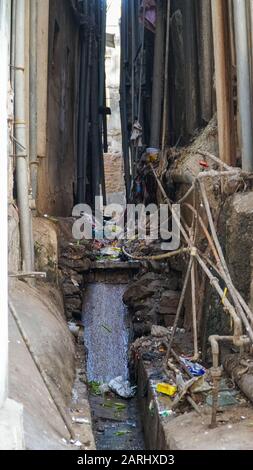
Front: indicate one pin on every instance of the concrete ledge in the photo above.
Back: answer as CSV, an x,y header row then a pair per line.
x,y
11,426
108,264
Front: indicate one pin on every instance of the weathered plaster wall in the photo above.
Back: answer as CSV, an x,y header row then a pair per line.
x,y
235,228
57,170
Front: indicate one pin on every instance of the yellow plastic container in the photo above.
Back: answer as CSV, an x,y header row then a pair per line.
x,y
166,389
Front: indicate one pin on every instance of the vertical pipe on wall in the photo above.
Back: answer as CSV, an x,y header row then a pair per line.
x,y
133,53
20,135
95,144
205,52
87,114
244,84
223,73
33,97
191,76
166,83
142,60
123,96
251,31
13,16
3,199
102,50
157,92
81,112
102,58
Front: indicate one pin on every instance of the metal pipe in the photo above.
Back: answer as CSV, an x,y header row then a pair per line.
x,y
205,51
123,98
33,96
227,305
240,298
133,54
95,144
169,254
180,306
216,372
4,202
158,70
142,60
20,135
13,22
194,312
244,84
166,84
251,36
87,117
102,57
81,130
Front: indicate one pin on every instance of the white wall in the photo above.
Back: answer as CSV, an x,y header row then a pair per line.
x,y
113,76
3,199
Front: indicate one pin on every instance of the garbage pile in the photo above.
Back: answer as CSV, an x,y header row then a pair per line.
x,y
75,259
179,384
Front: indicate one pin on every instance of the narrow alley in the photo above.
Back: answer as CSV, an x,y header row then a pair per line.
x,y
126,189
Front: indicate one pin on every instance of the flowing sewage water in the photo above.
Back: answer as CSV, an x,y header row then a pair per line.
x,y
116,422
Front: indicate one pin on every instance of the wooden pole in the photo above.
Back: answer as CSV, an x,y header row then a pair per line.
x,y
166,84
158,73
223,75
205,54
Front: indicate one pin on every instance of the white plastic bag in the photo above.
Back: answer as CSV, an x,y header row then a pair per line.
x,y
122,387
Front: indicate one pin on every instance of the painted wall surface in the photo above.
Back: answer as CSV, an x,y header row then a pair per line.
x,y
42,87
57,172
3,198
113,76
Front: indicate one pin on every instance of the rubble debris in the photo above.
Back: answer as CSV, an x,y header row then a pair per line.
x,y
74,328
159,331
81,420
166,413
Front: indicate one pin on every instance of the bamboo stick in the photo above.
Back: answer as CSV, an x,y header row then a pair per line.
x,y
180,305
223,266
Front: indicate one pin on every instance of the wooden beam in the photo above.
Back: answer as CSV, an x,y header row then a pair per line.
x,y
223,75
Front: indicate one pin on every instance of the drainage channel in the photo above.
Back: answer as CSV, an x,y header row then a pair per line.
x,y
116,422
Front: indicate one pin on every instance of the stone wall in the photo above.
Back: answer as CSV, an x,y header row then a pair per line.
x,y
235,228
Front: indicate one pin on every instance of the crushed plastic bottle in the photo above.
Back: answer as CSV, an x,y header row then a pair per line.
x,y
193,367
166,413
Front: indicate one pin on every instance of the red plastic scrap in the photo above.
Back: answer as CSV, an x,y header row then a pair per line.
x,y
204,164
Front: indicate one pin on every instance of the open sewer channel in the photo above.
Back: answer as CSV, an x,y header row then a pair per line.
x,y
116,421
